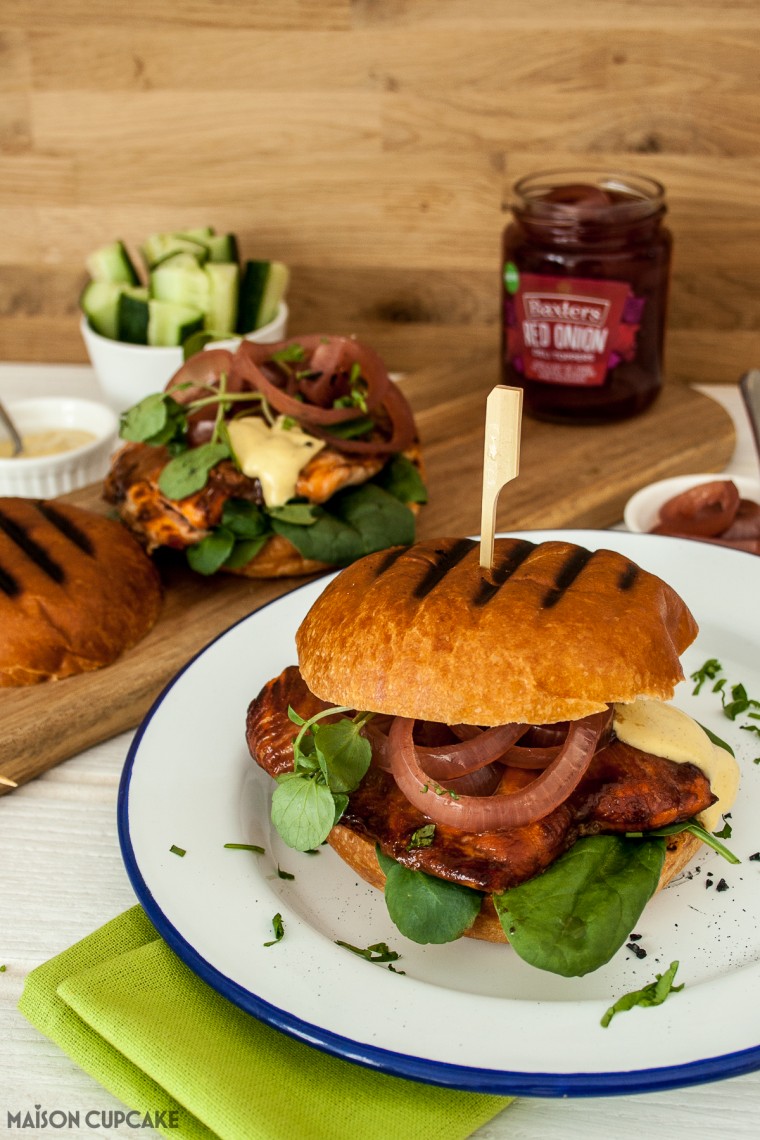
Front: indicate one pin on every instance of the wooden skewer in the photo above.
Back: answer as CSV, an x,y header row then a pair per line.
x,y
501,458
10,783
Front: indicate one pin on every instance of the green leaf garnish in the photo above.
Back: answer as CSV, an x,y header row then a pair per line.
x,y
343,754
279,930
574,916
299,514
284,874
716,739
303,810
426,909
653,994
156,420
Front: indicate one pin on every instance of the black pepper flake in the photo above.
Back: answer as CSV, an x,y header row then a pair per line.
x,y
722,885
755,858
634,937
639,951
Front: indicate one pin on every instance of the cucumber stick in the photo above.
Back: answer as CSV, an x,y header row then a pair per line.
x,y
158,247
133,315
112,263
262,288
100,304
170,324
222,308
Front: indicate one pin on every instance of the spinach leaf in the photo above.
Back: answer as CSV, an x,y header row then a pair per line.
x,y
244,519
426,909
206,556
653,994
243,551
303,810
574,916
188,472
359,521
401,479
299,514
695,829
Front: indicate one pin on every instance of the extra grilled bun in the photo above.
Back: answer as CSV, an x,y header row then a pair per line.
x,y
76,590
359,853
553,632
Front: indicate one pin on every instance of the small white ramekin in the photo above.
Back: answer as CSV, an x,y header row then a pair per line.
x,y
642,510
129,372
45,476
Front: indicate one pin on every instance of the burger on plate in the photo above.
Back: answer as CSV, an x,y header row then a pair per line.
x,y
272,460
493,747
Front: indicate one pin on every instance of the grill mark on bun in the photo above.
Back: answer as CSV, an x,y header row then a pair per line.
x,y
67,528
390,558
445,560
515,556
8,584
628,576
32,549
566,575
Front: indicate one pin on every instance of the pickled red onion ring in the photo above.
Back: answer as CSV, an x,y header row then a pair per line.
x,y
521,756
450,761
489,813
481,782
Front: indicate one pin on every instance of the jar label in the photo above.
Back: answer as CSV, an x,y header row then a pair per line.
x,y
571,330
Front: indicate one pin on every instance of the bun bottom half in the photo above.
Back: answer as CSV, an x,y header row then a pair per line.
x,y
359,854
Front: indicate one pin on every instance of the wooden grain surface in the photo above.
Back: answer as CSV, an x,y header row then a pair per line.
x,y
569,477
372,145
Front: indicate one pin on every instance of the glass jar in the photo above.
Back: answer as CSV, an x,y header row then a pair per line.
x,y
585,272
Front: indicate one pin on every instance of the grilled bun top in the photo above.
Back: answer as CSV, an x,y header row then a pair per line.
x,y
76,590
552,632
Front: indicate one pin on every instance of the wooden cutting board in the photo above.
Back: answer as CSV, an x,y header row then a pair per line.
x,y
570,476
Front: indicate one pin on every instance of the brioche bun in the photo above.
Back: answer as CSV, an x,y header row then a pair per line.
x,y
359,853
552,632
76,590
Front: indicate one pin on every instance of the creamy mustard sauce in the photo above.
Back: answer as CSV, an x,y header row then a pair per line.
x,y
53,441
274,455
665,731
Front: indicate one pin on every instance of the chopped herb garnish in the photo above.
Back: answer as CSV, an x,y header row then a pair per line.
x,y
653,994
377,952
177,850
634,947
244,847
722,885
279,930
284,874
726,831
708,672
3,969
755,858
422,837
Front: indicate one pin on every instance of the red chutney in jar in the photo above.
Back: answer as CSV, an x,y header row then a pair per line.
x,y
585,273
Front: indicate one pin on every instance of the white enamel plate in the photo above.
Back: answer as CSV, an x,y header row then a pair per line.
x,y
468,1015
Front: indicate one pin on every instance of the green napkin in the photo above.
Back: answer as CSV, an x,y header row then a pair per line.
x,y
128,1011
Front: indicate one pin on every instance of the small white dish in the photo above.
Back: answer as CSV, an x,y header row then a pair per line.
x,y
45,476
129,372
642,510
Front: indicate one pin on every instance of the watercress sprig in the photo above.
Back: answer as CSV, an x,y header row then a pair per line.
x,y
329,761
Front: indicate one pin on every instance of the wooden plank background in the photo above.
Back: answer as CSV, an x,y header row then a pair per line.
x,y
372,144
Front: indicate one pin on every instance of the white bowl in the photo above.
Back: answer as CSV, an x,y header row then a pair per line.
x,y
643,509
45,476
128,372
